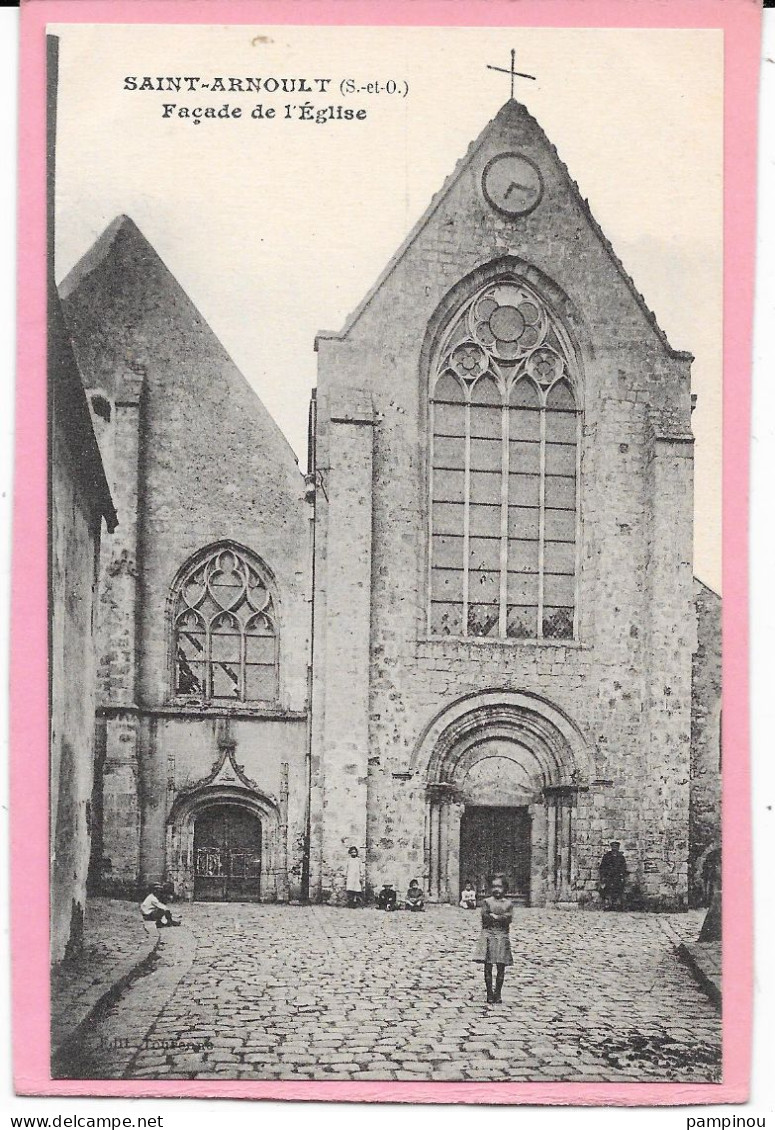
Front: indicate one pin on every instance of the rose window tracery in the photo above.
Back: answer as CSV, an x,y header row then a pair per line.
x,y
507,330
469,360
507,322
545,366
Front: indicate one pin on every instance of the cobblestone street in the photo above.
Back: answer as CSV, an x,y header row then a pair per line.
x,y
245,991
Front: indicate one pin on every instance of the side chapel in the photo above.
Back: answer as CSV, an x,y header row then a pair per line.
x,y
466,640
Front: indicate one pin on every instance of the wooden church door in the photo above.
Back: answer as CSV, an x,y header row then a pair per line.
x,y
227,855
496,840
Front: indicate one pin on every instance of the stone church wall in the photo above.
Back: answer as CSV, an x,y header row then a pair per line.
x,y
626,682
74,555
197,462
705,817
79,501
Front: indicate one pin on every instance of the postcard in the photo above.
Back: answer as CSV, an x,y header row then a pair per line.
x,y
381,462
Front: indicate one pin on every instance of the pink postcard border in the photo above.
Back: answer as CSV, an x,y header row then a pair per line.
x,y
740,21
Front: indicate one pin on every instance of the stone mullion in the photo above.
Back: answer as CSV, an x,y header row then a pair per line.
x,y
429,601
569,866
427,850
551,844
577,553
504,560
466,502
434,848
243,664
557,856
444,851
541,517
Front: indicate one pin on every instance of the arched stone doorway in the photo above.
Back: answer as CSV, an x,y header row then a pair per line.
x,y
225,843
498,792
503,774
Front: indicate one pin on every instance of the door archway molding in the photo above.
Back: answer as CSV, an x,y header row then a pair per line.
x,y
180,836
528,719
545,741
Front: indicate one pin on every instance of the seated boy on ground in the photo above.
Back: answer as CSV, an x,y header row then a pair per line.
x,y
154,910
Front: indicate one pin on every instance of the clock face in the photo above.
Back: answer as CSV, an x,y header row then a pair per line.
x,y
512,184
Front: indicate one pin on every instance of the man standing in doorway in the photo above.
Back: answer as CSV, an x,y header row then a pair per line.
x,y
613,876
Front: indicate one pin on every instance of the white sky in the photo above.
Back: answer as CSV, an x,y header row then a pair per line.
x,y
276,229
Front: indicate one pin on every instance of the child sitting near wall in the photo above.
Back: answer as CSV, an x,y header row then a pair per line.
x,y
468,896
415,900
387,897
153,910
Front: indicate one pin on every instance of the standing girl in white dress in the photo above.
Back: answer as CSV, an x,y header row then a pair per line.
x,y
352,883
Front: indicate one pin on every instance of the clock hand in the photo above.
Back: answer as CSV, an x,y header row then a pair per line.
x,y
515,184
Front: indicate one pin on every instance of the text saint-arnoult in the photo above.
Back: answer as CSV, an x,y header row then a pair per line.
x,y
227,84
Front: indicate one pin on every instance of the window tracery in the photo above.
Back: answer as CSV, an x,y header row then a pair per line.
x,y
504,471
225,630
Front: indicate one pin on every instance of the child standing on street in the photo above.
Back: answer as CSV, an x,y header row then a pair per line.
x,y
494,947
352,882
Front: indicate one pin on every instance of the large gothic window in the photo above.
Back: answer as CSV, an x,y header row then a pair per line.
x,y
225,630
504,496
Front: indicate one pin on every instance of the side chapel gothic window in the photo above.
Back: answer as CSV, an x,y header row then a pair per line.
x,y
505,428
225,630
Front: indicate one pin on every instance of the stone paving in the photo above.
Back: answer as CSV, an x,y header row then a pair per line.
x,y
266,992
115,941
704,960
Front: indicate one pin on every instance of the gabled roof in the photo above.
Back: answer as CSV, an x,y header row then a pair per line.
x,y
123,273
510,115
700,586
97,253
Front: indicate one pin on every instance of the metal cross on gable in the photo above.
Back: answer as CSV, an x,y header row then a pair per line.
x,y
514,74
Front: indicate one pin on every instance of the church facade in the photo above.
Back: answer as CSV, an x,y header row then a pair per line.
x,y
466,640
202,685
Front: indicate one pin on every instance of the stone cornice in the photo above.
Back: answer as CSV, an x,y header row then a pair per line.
x,y
114,709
